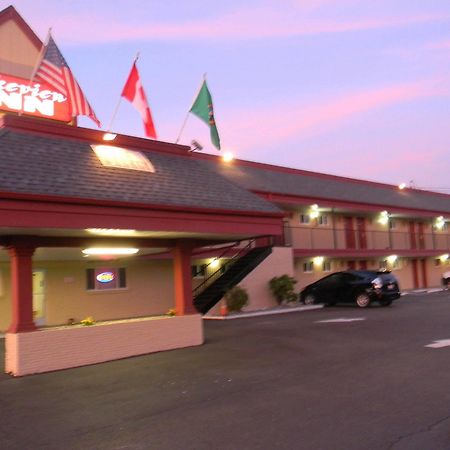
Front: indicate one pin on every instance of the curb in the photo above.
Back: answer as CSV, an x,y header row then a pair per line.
x,y
424,291
267,312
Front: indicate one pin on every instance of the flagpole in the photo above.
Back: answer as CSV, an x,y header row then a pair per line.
x,y
114,114
38,61
187,115
182,127
41,54
116,110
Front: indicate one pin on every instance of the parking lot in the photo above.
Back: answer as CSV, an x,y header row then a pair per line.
x,y
335,378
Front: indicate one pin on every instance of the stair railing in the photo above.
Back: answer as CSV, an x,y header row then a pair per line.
x,y
207,281
205,266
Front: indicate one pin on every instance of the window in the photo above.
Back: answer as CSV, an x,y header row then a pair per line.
x,y
104,279
198,270
322,220
326,266
392,224
304,218
122,158
437,262
308,266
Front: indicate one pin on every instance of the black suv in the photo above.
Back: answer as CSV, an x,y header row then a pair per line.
x,y
353,286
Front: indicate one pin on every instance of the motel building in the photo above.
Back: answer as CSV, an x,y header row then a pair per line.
x,y
121,232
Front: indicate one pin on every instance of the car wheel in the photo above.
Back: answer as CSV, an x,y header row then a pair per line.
x,y
385,302
362,300
309,299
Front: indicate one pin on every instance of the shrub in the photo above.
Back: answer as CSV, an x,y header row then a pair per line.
x,y
283,288
236,298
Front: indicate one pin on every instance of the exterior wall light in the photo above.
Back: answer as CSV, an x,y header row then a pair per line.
x,y
214,264
110,251
109,136
440,222
318,260
228,157
384,218
314,211
402,186
444,258
391,259
110,231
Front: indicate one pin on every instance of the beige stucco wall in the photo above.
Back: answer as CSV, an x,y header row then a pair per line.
x,y
5,296
404,274
256,283
149,291
61,348
442,239
18,55
305,278
310,235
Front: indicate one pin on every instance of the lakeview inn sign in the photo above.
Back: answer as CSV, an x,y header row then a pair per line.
x,y
34,99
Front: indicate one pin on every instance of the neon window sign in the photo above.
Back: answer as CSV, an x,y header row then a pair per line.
x,y
105,277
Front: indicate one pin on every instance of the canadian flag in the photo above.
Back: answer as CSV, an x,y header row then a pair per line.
x,y
134,92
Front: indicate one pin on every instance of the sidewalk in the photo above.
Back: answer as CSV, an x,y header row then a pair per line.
x,y
289,309
423,291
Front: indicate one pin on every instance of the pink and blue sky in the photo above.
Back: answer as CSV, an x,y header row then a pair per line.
x,y
348,87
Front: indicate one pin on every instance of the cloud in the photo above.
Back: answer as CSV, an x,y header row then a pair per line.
x,y
101,26
440,45
278,123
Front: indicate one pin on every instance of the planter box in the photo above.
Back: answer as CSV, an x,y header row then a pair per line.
x,y
58,348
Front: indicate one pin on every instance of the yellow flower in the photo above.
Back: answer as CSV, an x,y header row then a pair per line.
x,y
88,321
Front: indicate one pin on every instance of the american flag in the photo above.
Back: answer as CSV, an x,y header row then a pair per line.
x,y
54,70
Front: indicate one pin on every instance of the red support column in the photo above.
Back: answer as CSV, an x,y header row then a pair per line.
x,y
22,288
183,279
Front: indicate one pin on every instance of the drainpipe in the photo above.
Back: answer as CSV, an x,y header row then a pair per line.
x,y
333,222
390,232
433,235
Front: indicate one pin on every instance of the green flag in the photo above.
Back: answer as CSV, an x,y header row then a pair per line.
x,y
203,109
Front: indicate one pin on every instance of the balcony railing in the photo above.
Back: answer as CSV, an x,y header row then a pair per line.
x,y
340,239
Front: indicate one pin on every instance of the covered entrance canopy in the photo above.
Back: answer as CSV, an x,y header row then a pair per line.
x,y
59,196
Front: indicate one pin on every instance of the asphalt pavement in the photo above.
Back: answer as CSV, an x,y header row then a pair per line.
x,y
329,379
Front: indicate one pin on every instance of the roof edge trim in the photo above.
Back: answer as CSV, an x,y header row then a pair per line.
x,y
290,198
62,130
134,205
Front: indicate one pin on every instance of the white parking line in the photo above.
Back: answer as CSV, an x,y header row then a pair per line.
x,y
341,319
439,344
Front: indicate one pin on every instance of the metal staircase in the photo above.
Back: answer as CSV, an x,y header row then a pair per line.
x,y
207,294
